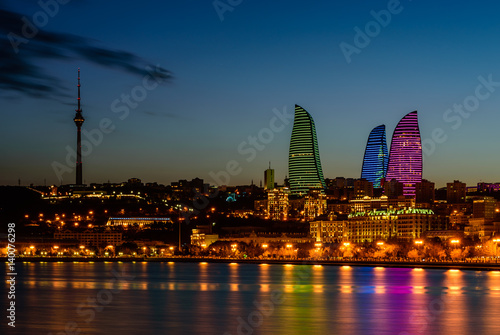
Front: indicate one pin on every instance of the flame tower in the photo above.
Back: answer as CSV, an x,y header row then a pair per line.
x,y
376,157
405,157
79,121
304,165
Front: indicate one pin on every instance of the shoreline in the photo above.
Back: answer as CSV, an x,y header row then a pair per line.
x,y
386,264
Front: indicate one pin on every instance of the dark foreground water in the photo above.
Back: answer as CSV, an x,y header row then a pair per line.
x,y
201,298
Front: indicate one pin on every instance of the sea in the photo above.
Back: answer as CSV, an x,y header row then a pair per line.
x,y
230,298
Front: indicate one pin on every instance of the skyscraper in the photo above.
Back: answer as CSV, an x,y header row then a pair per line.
x,y
304,165
405,157
376,157
79,121
269,178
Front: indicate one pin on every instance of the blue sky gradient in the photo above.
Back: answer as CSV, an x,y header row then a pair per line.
x,y
230,74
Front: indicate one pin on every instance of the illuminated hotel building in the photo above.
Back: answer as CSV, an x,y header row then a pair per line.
x,y
304,165
136,221
376,157
405,157
404,224
278,204
92,238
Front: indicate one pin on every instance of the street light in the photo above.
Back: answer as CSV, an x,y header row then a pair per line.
x,y
380,243
419,242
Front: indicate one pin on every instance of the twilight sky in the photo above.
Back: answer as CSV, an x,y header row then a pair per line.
x,y
234,69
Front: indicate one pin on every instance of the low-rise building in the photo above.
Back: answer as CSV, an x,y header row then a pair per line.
x,y
136,221
327,231
92,238
370,226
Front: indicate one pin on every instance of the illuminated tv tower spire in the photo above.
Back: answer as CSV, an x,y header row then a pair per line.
x,y
79,121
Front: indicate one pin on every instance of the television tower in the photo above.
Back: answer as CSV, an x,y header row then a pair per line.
x,y
79,121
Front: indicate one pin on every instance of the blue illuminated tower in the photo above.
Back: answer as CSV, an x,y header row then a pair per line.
x,y
304,165
376,157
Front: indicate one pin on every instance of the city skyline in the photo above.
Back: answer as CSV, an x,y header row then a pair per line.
x,y
207,114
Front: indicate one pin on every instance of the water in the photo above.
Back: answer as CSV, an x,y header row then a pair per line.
x,y
196,298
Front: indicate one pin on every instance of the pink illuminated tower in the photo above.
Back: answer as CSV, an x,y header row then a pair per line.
x,y
405,157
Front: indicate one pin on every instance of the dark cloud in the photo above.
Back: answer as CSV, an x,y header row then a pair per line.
x,y
22,48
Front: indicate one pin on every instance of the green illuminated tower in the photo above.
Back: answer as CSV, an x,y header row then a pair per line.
x,y
304,165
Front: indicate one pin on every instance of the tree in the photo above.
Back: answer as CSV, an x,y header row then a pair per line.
x,y
456,254
413,254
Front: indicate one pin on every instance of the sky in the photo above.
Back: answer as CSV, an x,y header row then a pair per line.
x,y
231,73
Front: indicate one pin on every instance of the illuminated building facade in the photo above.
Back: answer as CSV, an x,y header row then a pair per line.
x,y
92,238
370,226
376,157
314,204
136,221
405,157
278,204
304,165
412,223
327,231
405,224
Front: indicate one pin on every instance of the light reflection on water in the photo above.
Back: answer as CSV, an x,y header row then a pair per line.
x,y
209,298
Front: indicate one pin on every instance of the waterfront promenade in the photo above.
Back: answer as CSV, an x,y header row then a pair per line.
x,y
460,265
